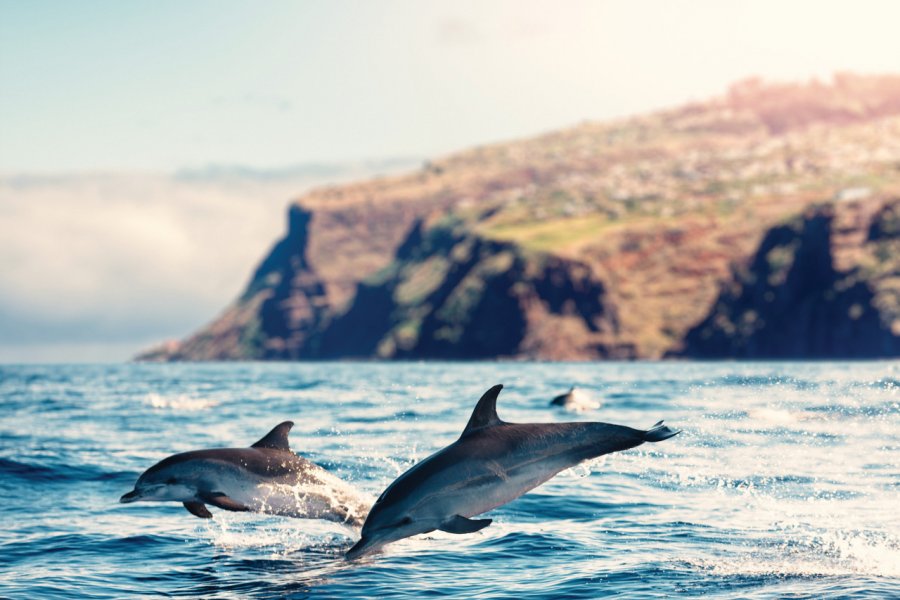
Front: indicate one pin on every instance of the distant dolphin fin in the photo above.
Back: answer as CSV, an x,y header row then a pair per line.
x,y
222,501
198,509
460,524
277,439
660,432
485,413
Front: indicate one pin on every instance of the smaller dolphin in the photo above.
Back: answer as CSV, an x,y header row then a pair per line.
x,y
575,400
492,463
266,477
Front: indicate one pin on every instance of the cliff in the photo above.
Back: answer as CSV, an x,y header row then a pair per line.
x,y
792,300
759,224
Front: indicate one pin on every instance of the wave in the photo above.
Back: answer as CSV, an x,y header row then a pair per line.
x,y
59,473
769,380
836,553
782,484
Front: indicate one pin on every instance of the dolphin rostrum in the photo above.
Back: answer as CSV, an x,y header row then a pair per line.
x,y
266,477
492,463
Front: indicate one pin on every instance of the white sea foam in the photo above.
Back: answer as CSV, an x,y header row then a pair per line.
x,y
833,553
179,402
280,537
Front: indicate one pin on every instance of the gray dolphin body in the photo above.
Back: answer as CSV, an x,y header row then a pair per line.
x,y
266,477
492,463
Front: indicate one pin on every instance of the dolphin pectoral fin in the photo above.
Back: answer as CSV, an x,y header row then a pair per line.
x,y
460,524
198,509
222,501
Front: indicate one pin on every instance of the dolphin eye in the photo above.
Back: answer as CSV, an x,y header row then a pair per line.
x,y
406,521
171,481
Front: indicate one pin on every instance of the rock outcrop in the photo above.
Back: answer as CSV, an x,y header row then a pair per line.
x,y
451,294
791,301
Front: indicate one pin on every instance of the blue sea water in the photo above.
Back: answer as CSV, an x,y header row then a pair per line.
x,y
784,483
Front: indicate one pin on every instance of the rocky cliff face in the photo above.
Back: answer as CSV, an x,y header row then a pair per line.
x,y
452,294
760,224
447,294
792,301
308,278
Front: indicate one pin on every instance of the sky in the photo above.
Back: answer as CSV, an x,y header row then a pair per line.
x,y
106,247
165,84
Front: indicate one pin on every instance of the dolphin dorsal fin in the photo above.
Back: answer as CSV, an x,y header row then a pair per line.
x,y
485,413
277,439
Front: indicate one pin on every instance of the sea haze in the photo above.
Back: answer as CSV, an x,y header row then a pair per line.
x,y
783,482
99,265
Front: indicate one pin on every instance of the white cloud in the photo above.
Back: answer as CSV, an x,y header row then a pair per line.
x,y
125,259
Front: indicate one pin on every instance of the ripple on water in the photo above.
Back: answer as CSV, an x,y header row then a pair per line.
x,y
784,482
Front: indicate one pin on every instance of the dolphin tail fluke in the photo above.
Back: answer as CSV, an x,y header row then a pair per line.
x,y
660,432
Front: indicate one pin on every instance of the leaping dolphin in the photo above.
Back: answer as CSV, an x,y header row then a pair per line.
x,y
266,477
492,463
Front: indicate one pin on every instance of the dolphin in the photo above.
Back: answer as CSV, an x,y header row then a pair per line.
x,y
266,477
492,463
575,400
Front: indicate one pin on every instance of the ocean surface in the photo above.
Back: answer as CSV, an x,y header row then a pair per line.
x,y
784,483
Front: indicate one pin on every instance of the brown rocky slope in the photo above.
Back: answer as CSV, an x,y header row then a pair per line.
x,y
759,224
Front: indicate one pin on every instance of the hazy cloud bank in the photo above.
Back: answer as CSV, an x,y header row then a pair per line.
x,y
97,266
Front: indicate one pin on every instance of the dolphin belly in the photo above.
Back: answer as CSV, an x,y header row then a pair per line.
x,y
499,486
